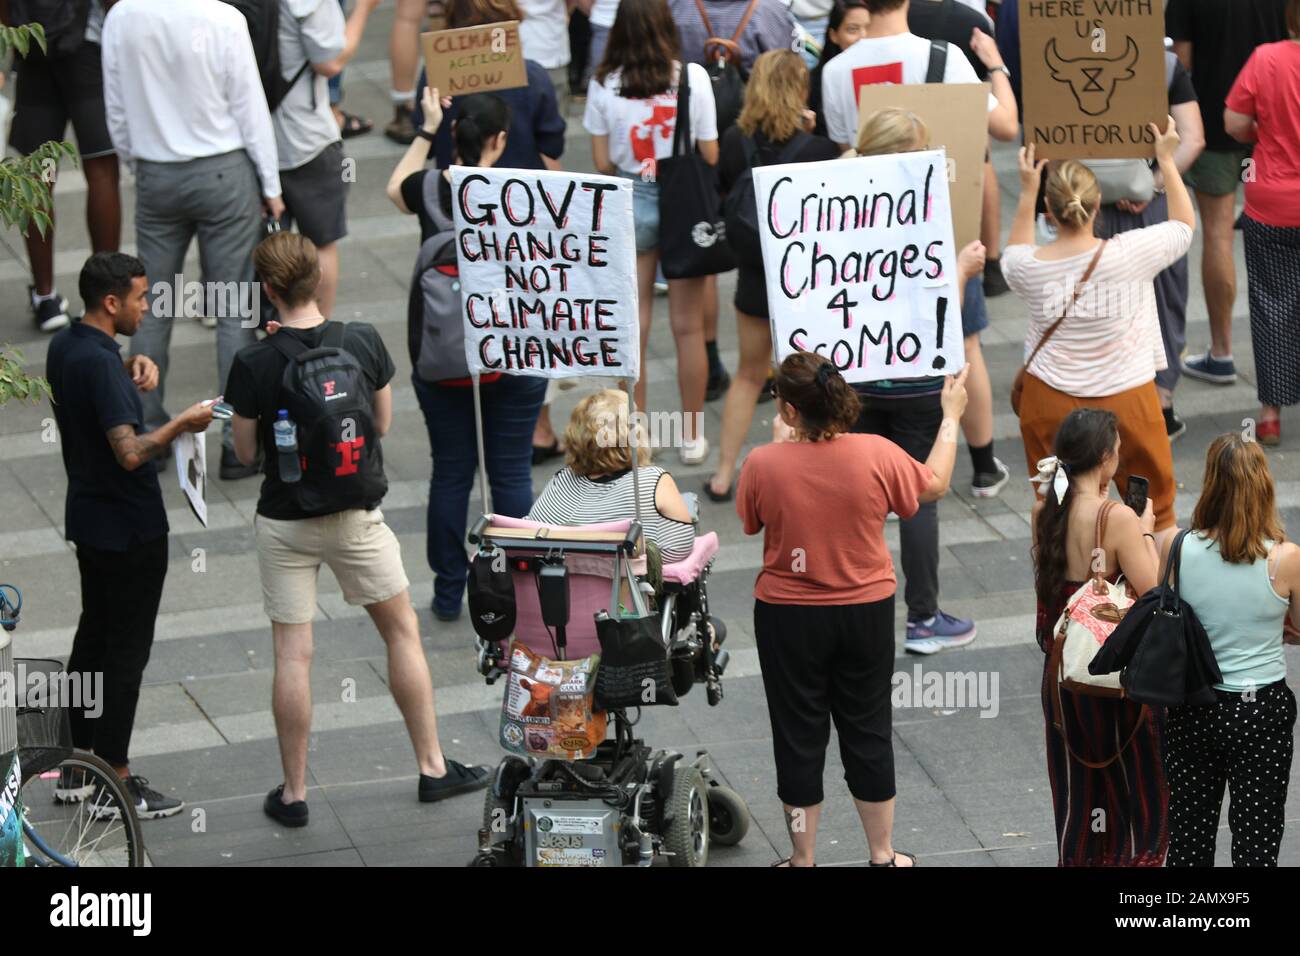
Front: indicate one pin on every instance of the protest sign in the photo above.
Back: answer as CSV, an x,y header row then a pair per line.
x,y
1093,74
957,116
474,59
860,266
191,452
548,272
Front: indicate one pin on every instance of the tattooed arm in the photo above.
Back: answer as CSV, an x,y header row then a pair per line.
x,y
132,450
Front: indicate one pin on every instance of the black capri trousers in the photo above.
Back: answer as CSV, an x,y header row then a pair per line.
x,y
1243,742
822,663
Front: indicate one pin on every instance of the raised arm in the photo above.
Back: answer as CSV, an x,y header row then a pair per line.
x,y
413,159
1031,175
1135,546
1180,202
943,454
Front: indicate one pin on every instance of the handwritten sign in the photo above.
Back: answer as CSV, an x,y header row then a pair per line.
x,y
957,116
548,272
1094,77
474,59
860,265
191,453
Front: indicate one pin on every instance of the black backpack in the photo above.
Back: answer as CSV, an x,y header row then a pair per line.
x,y
741,206
64,22
329,398
263,18
722,63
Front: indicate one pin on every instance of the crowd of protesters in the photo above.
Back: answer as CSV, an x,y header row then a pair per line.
x,y
225,154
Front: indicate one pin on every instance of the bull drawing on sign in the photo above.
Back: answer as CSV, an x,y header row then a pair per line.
x,y
1092,79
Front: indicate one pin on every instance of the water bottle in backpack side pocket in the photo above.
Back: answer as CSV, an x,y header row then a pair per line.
x,y
286,447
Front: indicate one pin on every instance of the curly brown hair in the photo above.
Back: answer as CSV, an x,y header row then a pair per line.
x,y
598,437
827,405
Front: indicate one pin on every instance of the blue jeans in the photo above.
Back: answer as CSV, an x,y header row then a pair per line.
x,y
510,407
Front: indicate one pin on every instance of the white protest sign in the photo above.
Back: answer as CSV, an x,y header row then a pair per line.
x,y
191,453
860,265
548,272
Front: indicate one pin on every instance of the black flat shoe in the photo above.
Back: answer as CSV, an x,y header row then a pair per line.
x,y
544,453
714,496
457,780
286,814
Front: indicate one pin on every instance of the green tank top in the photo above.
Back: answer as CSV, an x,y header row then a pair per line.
x,y
1240,611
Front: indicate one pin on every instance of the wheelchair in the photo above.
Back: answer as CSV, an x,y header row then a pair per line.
x,y
629,804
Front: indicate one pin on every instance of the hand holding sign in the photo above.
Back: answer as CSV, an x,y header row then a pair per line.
x,y
953,398
1167,141
433,105
1031,169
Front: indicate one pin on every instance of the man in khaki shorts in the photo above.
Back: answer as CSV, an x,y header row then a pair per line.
x,y
328,514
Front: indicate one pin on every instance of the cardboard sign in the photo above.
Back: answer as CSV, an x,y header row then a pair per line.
x,y
474,59
1093,75
860,265
957,116
548,272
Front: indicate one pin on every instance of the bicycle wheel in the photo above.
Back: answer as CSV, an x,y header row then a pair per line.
x,y
79,814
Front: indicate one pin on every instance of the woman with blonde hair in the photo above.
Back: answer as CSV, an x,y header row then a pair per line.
x,y
596,483
1094,337
773,127
1243,580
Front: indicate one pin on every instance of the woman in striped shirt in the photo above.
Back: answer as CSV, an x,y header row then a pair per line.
x,y
1107,350
596,483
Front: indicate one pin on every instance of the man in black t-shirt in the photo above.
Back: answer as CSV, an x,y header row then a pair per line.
x,y
1214,39
354,542
114,514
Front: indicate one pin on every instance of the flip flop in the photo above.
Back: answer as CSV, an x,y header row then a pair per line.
x,y
893,861
544,453
714,496
354,125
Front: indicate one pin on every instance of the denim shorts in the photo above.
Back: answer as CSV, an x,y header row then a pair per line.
x,y
974,308
645,211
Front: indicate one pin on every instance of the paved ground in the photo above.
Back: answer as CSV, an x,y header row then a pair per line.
x,y
972,790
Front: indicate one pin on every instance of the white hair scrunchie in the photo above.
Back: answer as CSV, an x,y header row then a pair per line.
x,y
1052,473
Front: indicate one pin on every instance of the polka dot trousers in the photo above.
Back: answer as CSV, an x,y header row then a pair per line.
x,y
1244,742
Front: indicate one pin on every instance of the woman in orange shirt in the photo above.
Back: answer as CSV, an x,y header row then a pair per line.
x,y
824,599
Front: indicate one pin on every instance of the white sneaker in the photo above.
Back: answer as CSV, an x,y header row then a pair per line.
x,y
694,452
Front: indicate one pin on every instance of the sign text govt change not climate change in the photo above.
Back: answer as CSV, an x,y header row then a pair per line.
x,y
860,264
548,272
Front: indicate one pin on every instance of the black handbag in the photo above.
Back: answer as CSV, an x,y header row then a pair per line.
x,y
1155,644
634,669
692,229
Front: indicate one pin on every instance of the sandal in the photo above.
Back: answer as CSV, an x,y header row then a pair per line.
x,y
893,861
544,453
786,863
714,496
354,125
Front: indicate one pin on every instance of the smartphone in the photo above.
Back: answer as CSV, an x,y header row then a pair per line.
x,y
1136,495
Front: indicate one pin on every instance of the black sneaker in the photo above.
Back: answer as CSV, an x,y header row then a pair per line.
x,y
49,315
232,469
1174,426
73,786
995,284
457,780
149,803
286,814
988,485
719,382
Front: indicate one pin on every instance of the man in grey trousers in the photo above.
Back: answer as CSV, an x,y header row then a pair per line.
x,y
188,115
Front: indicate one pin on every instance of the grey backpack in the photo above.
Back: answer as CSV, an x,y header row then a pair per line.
x,y
435,331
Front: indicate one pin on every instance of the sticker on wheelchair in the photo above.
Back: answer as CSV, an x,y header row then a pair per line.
x,y
548,707
571,856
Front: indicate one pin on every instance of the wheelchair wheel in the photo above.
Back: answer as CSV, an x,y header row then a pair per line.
x,y
687,838
728,816
80,814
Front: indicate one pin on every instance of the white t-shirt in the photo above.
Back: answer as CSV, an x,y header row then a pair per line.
x,y
603,13
902,58
544,32
1110,340
641,131
311,31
